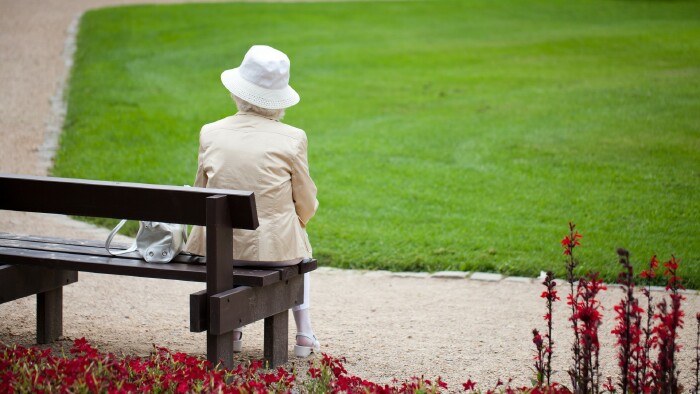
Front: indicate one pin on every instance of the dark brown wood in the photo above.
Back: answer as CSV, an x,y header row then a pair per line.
x,y
244,305
286,269
219,269
219,245
93,248
49,316
88,259
276,341
220,349
21,281
308,265
66,241
199,311
34,244
97,248
172,204
102,265
286,272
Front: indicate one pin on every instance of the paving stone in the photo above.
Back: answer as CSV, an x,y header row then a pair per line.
x,y
519,279
410,274
325,270
338,271
486,276
450,274
377,274
682,291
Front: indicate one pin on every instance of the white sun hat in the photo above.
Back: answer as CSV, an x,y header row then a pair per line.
x,y
262,79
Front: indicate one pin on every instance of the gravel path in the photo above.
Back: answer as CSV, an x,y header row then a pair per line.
x,y
386,325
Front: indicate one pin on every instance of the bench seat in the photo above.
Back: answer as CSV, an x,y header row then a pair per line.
x,y
91,256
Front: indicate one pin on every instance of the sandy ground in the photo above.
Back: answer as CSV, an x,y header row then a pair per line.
x,y
386,325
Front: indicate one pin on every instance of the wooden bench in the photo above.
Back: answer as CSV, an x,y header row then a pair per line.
x,y
233,297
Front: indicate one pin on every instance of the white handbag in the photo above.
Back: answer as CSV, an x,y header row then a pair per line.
x,y
156,242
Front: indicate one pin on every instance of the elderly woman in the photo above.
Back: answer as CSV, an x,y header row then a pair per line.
x,y
253,150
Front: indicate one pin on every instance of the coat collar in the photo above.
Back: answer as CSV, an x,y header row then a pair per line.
x,y
248,113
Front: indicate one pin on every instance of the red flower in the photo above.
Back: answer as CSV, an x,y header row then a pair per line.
x,y
183,387
469,385
651,272
537,338
550,294
654,262
671,264
570,242
314,372
647,274
566,242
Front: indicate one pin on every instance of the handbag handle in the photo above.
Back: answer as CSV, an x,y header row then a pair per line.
x,y
111,236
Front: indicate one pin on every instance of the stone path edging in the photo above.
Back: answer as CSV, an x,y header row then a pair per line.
x,y
453,275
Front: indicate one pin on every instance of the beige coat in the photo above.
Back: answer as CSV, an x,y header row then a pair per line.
x,y
249,152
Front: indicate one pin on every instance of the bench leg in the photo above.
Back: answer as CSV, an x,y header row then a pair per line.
x,y
220,349
49,315
276,339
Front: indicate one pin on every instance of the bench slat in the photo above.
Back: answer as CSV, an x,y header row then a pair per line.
x,y
131,267
93,250
101,265
52,239
99,250
79,197
62,241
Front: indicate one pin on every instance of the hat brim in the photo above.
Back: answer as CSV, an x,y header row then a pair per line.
x,y
256,95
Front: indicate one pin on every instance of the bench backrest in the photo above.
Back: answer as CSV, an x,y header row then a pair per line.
x,y
121,200
219,210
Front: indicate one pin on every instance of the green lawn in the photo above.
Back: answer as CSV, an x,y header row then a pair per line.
x,y
458,135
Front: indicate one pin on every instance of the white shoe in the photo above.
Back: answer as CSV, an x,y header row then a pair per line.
x,y
237,343
305,351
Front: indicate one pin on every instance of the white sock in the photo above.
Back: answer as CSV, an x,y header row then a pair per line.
x,y
302,318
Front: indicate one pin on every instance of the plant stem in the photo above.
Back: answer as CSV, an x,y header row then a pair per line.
x,y
697,355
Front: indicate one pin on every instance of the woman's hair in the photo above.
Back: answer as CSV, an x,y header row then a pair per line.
x,y
276,114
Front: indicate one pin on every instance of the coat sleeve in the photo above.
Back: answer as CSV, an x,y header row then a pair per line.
x,y
200,179
303,187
